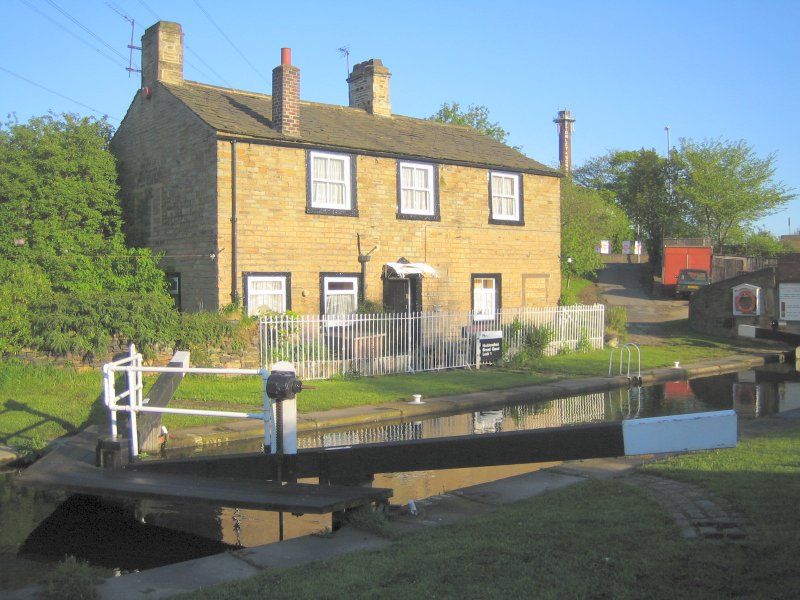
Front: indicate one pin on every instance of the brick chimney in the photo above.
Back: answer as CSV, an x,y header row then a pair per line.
x,y
369,87
286,95
162,54
564,120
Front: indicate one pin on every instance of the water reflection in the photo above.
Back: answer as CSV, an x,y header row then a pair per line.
x,y
29,532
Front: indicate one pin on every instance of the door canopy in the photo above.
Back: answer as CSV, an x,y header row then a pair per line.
x,y
401,270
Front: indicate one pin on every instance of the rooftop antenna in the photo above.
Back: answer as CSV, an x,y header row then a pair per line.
x,y
345,51
131,47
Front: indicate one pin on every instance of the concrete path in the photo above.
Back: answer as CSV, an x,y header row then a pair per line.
x,y
623,284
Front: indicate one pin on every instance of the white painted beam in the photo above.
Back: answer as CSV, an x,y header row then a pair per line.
x,y
680,433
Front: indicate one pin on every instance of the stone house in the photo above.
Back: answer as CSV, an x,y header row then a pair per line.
x,y
287,204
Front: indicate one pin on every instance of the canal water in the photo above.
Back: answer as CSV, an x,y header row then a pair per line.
x,y
39,528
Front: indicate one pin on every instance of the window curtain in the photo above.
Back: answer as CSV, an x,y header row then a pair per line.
x,y
266,296
340,304
328,181
415,186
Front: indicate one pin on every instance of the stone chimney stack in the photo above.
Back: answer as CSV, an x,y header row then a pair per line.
x,y
369,87
286,95
162,54
564,121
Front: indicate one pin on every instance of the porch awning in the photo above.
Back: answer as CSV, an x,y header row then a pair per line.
x,y
403,270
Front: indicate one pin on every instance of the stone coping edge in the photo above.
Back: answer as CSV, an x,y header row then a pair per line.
x,y
224,433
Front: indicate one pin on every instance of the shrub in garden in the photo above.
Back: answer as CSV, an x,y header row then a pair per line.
x,y
617,323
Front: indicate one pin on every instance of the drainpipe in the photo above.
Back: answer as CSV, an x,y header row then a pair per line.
x,y
234,229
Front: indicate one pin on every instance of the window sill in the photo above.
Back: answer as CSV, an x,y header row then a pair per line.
x,y
512,222
333,212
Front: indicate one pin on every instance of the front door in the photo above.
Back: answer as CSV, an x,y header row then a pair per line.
x,y
403,295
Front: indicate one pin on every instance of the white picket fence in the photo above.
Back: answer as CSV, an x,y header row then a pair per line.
x,y
323,346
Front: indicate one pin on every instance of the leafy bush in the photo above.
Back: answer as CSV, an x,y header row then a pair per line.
x,y
226,330
533,342
19,285
584,343
89,322
617,323
72,580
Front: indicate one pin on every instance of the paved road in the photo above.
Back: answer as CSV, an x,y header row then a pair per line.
x,y
622,284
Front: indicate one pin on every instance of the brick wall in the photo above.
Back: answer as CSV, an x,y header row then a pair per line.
x,y
711,309
275,234
166,159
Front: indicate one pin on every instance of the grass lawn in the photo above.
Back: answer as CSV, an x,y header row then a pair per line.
x,y
600,539
39,403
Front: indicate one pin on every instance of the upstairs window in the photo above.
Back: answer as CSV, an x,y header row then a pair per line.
x,y
505,198
267,293
417,191
330,183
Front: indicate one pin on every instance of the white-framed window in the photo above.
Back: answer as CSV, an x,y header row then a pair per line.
x,y
505,196
339,295
266,294
417,189
330,181
485,296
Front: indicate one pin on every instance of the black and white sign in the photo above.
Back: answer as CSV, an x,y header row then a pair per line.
x,y
490,346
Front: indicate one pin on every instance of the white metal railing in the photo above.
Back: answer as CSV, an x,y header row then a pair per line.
x,y
627,348
132,366
323,346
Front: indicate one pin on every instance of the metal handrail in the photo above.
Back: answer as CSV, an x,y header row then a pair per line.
x,y
132,366
626,348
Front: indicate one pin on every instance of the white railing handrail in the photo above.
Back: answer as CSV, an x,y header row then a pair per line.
x,y
132,366
187,370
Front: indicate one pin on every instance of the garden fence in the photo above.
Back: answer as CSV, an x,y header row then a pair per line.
x,y
324,346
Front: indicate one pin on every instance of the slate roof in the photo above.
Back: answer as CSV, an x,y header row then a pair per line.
x,y
249,115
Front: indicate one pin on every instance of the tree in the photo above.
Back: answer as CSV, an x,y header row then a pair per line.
x,y
640,184
475,116
763,244
727,187
587,216
61,239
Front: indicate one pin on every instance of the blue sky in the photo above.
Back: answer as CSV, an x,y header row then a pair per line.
x,y
708,69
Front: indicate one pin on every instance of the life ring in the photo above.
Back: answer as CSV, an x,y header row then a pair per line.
x,y
746,301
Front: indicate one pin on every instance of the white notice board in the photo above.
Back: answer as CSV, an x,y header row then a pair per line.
x,y
789,301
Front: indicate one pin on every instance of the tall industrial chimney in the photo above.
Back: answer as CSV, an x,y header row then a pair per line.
x,y
564,121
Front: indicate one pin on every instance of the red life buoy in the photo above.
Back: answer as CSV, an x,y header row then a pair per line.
x,y
745,302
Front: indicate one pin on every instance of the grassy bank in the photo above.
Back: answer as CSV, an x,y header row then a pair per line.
x,y
601,539
39,403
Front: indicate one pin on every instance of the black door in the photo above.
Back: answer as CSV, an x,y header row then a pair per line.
x,y
404,296
396,294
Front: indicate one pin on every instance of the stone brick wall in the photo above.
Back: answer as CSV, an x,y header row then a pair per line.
x,y
789,267
711,309
166,159
276,235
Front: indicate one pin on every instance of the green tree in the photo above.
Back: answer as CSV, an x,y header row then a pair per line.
x,y
763,244
475,116
727,187
587,216
641,183
61,240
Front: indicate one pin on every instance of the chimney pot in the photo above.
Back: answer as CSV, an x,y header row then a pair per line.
x,y
369,87
286,96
